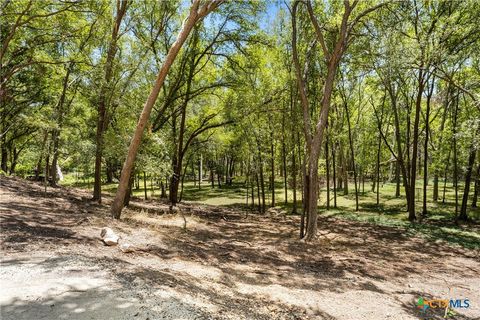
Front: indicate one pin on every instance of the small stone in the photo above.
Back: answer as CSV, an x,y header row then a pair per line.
x,y
109,237
127,248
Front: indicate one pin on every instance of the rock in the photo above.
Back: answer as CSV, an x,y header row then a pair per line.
x,y
127,248
109,237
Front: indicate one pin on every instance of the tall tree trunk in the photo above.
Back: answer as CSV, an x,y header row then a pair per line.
x,y
272,168
145,185
397,179
284,157
179,148
344,171
476,188
4,151
445,176
42,153
252,184
455,164
212,176
163,194
403,163
197,12
59,118
258,192
294,177
425,148
262,184
102,103
314,138
413,166
328,168
468,177
200,172
334,178
378,168
183,178
15,154
350,139
285,177
435,186
442,126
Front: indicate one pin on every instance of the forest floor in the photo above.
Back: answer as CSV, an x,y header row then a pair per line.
x,y
226,264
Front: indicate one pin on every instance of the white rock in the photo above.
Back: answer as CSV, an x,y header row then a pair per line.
x,y
127,248
109,237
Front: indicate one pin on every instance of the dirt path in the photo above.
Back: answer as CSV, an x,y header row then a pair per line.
x,y
225,266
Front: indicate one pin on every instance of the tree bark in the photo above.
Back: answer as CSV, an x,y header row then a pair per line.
x,y
476,188
145,185
59,118
397,179
102,104
468,177
425,148
179,148
42,153
413,166
262,184
200,172
455,158
378,168
334,178
445,176
350,139
442,126
197,12
314,138
272,168
327,160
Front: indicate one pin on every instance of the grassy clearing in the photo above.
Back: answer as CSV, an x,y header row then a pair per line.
x,y
391,211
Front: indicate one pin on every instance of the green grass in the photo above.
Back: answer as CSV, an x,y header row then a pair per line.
x,y
391,211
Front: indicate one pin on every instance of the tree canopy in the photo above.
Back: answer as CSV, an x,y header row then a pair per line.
x,y
302,97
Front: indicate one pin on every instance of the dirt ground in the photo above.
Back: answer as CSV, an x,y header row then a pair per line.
x,y
225,265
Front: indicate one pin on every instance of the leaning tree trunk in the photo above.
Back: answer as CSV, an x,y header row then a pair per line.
x,y
197,12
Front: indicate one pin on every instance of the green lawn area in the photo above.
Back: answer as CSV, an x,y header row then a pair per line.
x,y
391,211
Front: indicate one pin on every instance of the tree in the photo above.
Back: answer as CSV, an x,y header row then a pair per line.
x,y
197,12
106,88
342,37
